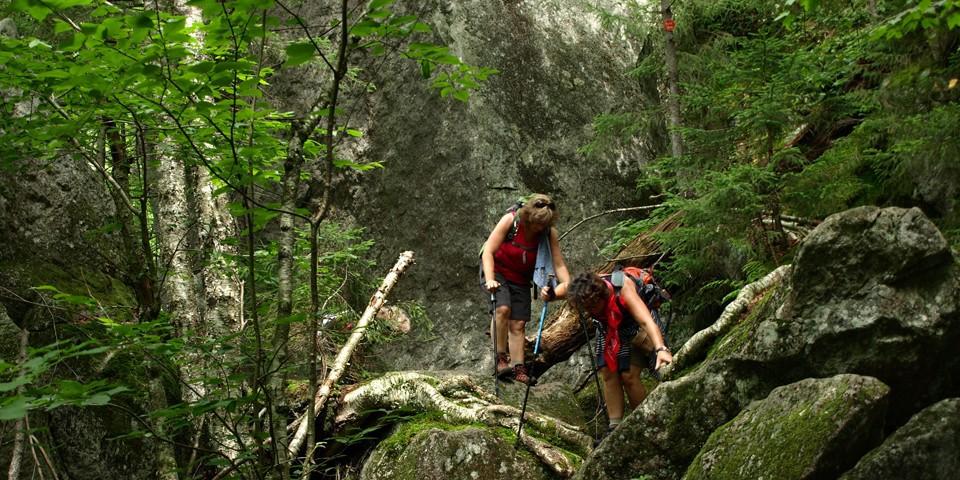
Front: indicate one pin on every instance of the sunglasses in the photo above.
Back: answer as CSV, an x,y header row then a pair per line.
x,y
542,204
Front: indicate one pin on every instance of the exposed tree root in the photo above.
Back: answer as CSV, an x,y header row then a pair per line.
x,y
461,401
697,345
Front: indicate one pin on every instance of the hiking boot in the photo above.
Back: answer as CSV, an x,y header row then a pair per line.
x,y
597,441
503,364
520,374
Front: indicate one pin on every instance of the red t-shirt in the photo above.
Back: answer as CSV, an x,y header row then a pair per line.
x,y
516,257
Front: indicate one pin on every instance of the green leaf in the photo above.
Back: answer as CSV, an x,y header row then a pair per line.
x,y
364,28
13,385
298,53
36,42
64,4
98,399
953,21
14,408
35,9
59,26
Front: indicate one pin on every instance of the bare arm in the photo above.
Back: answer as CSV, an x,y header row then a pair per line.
x,y
641,313
496,238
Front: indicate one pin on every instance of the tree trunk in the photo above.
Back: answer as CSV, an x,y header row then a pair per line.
x,y
19,426
696,347
285,278
673,99
173,223
221,288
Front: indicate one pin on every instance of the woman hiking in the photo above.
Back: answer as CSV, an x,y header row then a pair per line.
x,y
522,240
628,338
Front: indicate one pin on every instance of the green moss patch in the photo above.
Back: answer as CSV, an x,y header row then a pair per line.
x,y
799,431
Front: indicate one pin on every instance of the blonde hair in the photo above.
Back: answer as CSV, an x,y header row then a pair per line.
x,y
543,215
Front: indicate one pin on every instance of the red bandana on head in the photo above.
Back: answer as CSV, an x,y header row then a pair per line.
x,y
613,318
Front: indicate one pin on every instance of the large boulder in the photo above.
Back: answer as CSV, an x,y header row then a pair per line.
x,y
815,428
520,133
926,448
874,292
437,454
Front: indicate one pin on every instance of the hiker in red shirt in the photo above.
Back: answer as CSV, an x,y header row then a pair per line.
x,y
523,239
628,338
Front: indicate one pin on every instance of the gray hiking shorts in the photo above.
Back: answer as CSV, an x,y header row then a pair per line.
x,y
517,297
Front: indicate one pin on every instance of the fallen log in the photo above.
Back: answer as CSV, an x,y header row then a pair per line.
x,y
343,358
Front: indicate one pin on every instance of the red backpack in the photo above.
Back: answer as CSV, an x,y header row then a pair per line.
x,y
650,291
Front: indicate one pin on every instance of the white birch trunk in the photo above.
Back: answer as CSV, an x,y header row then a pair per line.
x,y
20,426
173,224
221,287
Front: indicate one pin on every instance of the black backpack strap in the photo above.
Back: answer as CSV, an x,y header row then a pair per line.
x,y
516,225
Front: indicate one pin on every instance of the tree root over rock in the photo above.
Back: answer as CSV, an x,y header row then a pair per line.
x,y
696,347
460,400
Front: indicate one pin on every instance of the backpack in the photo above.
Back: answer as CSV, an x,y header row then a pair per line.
x,y
650,291
511,234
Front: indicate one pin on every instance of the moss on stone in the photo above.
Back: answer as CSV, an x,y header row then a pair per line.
x,y
115,298
765,442
741,333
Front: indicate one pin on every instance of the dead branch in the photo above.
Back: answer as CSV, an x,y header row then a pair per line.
x,y
343,358
608,212
16,458
697,345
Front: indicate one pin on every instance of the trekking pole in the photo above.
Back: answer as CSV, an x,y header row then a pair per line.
x,y
596,375
493,323
536,350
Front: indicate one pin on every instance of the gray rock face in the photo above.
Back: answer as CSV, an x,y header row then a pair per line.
x,y
874,292
84,449
436,454
808,429
452,169
926,448
52,210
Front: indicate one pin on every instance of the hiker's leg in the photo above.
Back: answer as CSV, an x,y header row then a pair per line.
x,y
636,392
613,394
502,314
517,340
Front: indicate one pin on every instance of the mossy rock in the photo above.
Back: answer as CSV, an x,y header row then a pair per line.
x,y
428,450
110,294
926,448
815,428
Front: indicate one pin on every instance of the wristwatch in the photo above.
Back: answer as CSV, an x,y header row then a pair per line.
x,y
662,349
